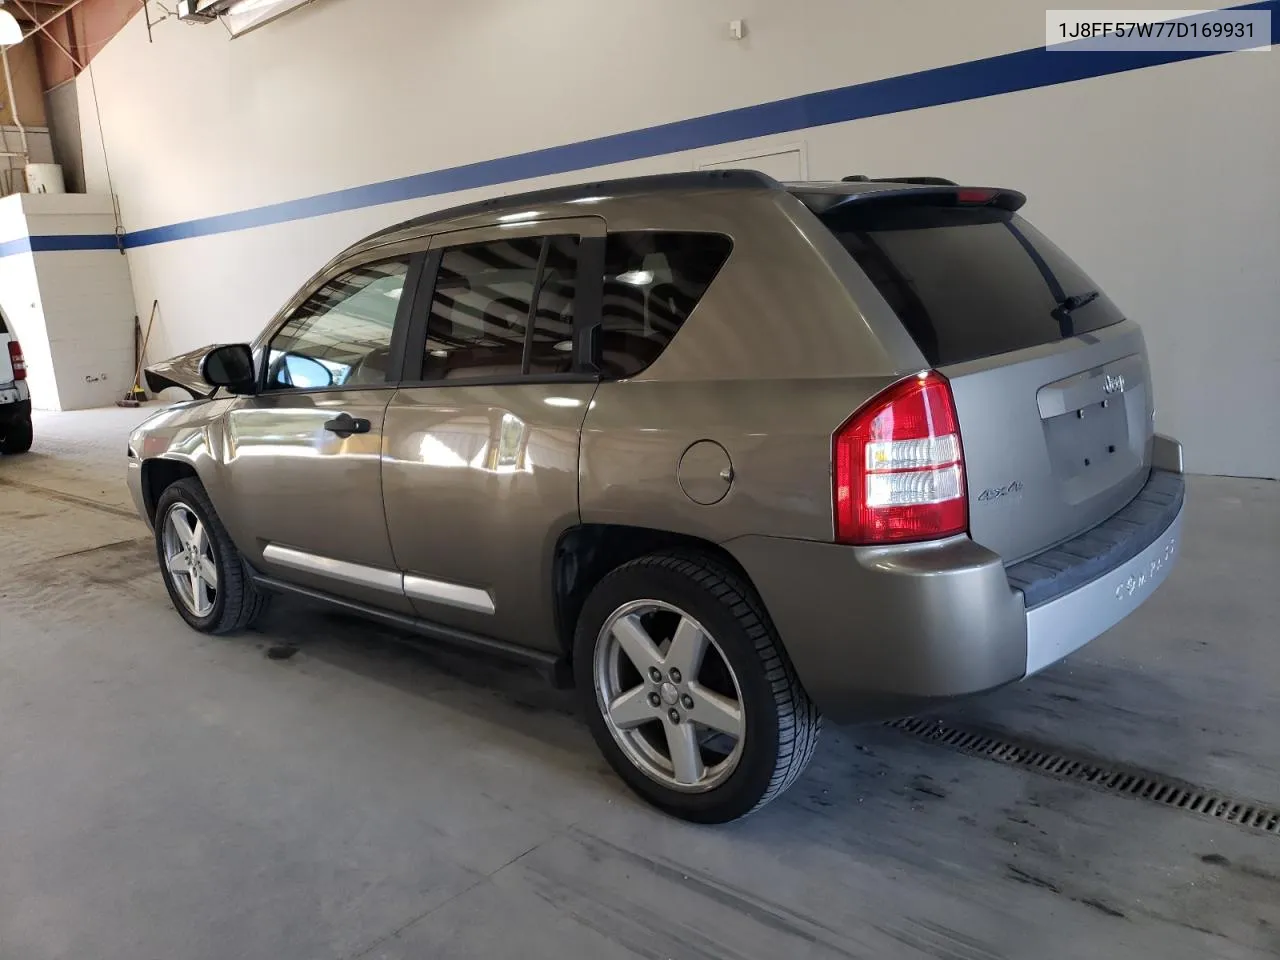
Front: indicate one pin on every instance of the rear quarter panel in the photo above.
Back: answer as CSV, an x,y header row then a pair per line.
x,y
777,434
772,360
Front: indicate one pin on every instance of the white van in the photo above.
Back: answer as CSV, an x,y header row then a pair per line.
x,y
15,397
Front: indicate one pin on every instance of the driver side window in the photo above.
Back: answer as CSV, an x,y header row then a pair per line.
x,y
341,335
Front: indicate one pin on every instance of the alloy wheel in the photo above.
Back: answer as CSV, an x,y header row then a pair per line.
x,y
188,556
669,696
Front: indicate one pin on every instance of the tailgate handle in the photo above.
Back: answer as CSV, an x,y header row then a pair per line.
x,y
1090,387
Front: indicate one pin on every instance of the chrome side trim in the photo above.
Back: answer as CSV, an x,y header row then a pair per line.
x,y
375,577
1066,624
450,594
419,588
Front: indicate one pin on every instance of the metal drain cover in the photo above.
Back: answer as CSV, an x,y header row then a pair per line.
x,y
1102,775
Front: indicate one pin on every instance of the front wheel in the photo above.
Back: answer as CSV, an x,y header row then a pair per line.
x,y
17,437
688,691
202,568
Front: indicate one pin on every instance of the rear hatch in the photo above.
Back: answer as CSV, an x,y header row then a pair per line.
x,y
1050,380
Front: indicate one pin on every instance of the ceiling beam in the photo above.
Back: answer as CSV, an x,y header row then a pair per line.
x,y
42,28
65,8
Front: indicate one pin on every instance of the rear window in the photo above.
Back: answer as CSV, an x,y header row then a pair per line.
x,y
970,282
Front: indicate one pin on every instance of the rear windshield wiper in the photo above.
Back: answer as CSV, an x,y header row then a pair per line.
x,y
1062,312
1075,302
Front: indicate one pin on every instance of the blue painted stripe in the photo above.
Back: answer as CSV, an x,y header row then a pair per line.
x,y
13,247
45,243
78,241
973,80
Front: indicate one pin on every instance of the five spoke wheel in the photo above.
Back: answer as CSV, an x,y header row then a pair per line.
x,y
669,696
188,555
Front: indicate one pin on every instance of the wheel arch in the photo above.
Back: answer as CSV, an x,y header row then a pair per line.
x,y
585,553
160,473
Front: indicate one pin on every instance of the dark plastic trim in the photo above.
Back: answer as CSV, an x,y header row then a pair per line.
x,y
16,411
1104,548
434,631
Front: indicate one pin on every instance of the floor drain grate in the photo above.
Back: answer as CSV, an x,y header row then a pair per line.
x,y
1101,774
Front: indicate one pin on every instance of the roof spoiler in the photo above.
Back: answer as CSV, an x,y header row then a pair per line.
x,y
923,181
825,204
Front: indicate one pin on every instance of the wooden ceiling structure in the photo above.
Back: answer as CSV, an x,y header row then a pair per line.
x,y
69,33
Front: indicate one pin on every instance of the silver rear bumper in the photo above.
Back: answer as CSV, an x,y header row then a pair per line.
x,y
1062,626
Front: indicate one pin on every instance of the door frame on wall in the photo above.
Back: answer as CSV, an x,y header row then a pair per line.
x,y
798,147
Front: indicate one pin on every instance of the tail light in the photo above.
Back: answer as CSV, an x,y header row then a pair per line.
x,y
18,361
898,468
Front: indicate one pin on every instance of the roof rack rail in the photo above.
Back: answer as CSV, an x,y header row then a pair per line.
x,y
926,181
731,179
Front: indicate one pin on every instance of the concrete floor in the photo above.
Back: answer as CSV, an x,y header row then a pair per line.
x,y
168,795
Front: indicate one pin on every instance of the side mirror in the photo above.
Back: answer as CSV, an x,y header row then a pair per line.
x,y
230,366
299,371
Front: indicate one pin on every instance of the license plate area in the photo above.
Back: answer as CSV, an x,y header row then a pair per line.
x,y
1097,446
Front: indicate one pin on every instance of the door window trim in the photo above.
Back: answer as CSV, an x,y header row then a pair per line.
x,y
399,330
587,300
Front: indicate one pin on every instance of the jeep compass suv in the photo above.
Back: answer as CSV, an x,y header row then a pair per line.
x,y
727,454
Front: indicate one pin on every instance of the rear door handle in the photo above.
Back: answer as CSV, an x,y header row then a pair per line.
x,y
344,425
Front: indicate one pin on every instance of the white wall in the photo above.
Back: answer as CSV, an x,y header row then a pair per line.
x,y
1160,181
71,309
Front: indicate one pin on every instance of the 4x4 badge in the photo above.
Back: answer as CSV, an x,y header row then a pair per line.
x,y
995,493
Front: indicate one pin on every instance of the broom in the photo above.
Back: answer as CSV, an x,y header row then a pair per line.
x,y
135,394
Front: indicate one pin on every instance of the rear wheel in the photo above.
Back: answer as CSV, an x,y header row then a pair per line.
x,y
687,689
17,437
202,569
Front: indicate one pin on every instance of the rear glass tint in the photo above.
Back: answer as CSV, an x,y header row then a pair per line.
x,y
652,282
970,282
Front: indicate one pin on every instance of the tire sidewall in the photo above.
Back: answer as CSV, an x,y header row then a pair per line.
x,y
743,789
17,429
180,494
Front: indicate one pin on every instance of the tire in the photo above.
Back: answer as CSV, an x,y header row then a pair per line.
x,y
235,602
17,437
779,724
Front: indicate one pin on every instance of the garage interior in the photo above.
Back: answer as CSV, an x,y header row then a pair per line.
x,y
320,788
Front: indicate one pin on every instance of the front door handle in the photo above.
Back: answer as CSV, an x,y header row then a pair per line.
x,y
344,425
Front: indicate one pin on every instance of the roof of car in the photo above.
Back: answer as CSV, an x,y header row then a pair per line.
x,y
635,186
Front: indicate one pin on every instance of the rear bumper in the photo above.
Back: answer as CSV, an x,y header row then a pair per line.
x,y
882,632
1087,585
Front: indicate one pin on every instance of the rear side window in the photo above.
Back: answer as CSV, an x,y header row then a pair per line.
x,y
970,283
652,282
